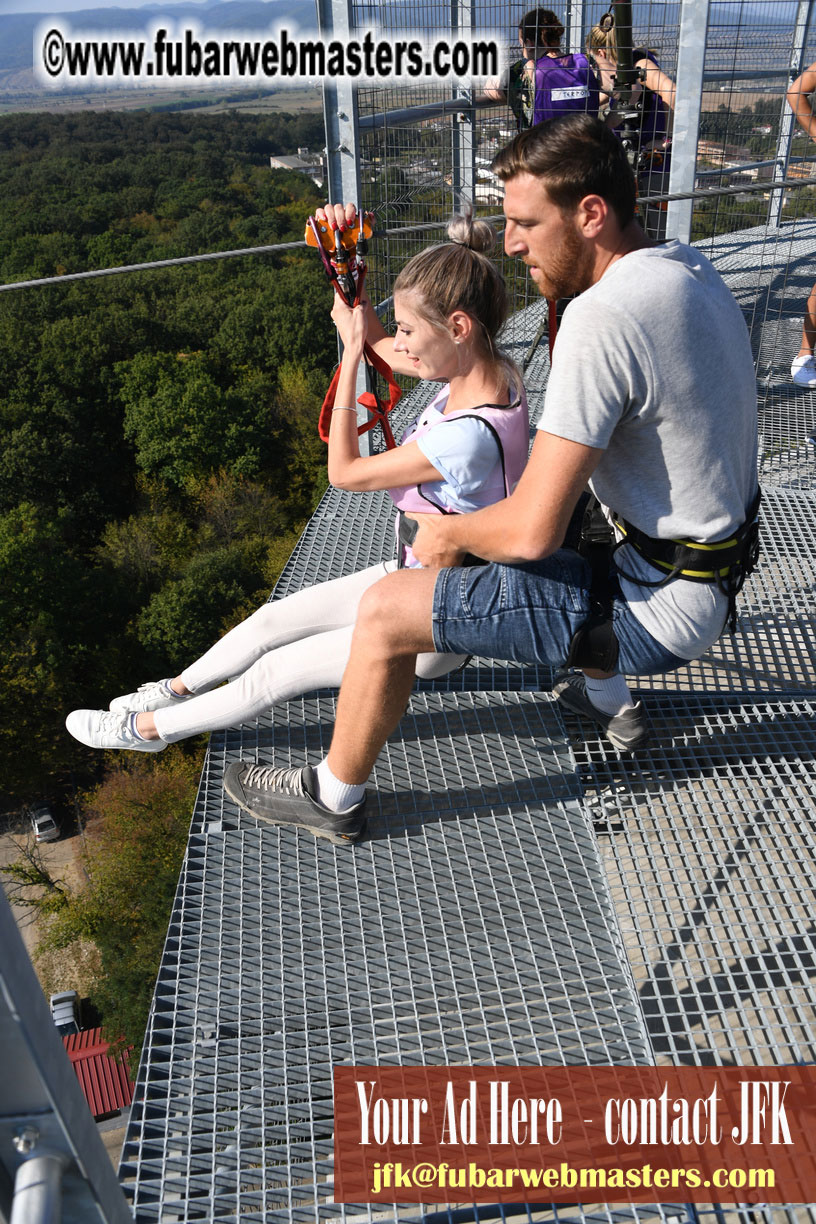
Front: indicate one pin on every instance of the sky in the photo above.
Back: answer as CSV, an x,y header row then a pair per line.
x,y
71,6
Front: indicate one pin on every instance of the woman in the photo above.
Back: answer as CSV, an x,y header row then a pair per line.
x,y
466,450
652,102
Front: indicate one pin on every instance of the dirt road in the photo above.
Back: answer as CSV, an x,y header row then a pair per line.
x,y
58,857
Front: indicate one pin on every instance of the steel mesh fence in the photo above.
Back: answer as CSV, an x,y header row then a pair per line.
x,y
751,53
419,165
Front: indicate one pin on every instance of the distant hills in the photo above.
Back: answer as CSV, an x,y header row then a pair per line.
x,y
17,29
17,82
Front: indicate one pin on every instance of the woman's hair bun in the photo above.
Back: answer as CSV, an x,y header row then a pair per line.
x,y
472,232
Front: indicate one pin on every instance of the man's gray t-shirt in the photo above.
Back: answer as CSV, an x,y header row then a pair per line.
x,y
653,365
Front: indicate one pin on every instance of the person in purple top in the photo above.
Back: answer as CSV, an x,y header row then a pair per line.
x,y
546,82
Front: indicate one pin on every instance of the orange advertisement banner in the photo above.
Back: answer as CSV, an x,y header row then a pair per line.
x,y
575,1134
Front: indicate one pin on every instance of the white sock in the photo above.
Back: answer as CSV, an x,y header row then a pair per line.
x,y
610,696
335,795
132,725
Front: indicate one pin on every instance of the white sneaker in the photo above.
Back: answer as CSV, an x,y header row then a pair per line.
x,y
803,370
106,729
150,696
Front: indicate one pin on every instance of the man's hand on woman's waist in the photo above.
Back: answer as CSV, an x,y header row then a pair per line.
x,y
433,545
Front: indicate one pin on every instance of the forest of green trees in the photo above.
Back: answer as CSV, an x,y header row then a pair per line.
x,y
159,457
158,428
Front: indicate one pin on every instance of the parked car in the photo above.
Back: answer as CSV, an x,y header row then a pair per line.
x,y
65,1012
43,823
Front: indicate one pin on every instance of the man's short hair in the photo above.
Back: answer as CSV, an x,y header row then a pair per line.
x,y
576,155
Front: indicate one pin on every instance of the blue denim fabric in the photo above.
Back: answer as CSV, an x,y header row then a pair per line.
x,y
529,613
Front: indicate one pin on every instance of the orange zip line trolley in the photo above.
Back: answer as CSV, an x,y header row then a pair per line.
x,y
343,257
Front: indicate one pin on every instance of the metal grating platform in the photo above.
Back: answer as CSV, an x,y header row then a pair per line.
x,y
709,843
473,926
525,894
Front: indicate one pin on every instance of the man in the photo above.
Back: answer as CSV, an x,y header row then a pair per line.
x,y
651,398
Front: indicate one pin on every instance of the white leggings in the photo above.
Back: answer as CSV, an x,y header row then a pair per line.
x,y
290,647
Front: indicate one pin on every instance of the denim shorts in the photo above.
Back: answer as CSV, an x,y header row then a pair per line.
x,y
529,613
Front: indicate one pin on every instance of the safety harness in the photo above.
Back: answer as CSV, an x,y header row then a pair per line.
x,y
343,257
594,643
726,563
508,425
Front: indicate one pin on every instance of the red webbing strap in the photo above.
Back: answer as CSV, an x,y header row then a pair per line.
x,y
369,400
378,411
552,323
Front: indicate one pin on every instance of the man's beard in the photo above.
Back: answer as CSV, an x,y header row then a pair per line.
x,y
569,268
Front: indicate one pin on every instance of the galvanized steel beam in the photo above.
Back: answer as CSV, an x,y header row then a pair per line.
x,y
46,1129
335,20
463,127
687,104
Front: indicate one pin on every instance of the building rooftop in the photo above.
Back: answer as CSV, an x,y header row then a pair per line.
x,y
104,1080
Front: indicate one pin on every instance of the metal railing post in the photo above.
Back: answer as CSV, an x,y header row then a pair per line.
x,y
335,20
687,106
574,34
38,1189
787,122
50,1150
463,177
